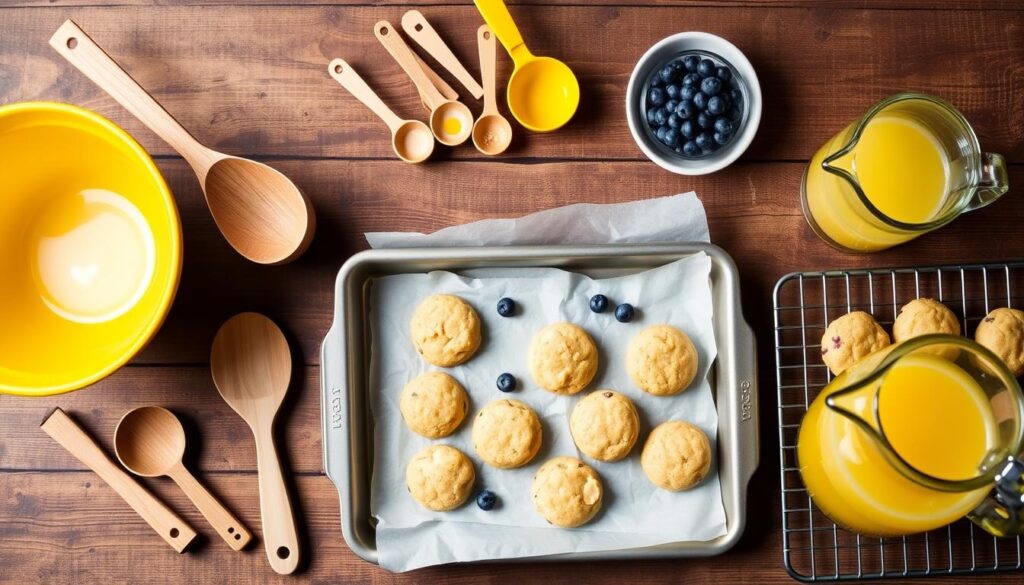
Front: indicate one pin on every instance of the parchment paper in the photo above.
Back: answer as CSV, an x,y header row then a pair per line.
x,y
634,513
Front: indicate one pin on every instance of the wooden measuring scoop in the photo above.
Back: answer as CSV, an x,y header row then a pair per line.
x,y
261,213
416,26
150,442
492,132
450,120
252,368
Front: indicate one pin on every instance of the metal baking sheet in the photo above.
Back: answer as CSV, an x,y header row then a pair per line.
x,y
344,363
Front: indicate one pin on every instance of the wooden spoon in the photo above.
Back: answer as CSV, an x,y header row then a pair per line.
x,y
492,132
261,213
150,442
252,367
416,26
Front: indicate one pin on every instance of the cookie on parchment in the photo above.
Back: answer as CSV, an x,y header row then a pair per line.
x,y
567,492
433,404
507,434
563,358
445,330
1002,332
440,477
661,360
850,338
604,425
676,455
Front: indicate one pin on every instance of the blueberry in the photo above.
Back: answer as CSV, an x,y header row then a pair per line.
x,y
711,86
706,68
671,138
691,80
726,100
660,117
700,100
704,142
691,149
678,150
656,96
667,74
722,139
723,73
688,129
506,382
656,80
736,95
678,65
486,500
650,116
690,62
686,109
723,125
660,133
686,92
506,307
674,121
624,313
671,105
705,121
735,114
672,91
599,303
716,105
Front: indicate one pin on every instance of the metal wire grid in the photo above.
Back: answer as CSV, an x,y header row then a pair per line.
x,y
814,548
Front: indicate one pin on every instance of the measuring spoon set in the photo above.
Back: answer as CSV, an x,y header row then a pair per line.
x,y
451,123
251,367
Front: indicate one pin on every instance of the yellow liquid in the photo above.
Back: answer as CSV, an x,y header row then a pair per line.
x,y
934,415
452,126
903,171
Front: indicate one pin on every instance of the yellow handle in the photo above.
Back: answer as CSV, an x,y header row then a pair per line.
x,y
497,17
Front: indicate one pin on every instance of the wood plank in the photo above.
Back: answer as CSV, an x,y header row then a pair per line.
x,y
263,90
218,439
774,4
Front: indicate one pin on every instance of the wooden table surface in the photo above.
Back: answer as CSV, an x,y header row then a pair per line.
x,y
248,77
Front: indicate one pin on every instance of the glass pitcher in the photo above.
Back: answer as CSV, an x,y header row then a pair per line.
x,y
916,436
910,165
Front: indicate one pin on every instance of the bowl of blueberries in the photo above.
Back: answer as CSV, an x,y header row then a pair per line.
x,y
693,103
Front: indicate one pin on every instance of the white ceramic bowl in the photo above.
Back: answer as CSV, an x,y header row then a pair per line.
x,y
656,57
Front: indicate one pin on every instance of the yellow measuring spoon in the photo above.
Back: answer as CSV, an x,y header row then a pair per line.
x,y
543,92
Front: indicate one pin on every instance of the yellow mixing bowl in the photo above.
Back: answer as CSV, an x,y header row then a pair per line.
x,y
90,248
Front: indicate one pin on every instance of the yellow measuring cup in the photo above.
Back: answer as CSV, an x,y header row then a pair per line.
x,y
543,92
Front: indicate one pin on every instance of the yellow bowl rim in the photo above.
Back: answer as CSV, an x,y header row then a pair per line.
x,y
168,293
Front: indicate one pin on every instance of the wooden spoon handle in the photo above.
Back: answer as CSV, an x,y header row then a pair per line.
x,y
227,525
441,85
82,52
416,26
403,55
344,74
280,536
488,58
166,523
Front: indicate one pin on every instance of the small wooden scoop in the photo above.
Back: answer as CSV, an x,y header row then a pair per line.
x,y
492,133
252,367
167,524
150,442
261,213
416,26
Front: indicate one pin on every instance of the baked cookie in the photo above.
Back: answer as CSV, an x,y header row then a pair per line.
x,y
850,338
440,477
563,358
445,330
567,492
676,456
507,434
1002,332
604,425
661,360
924,316
433,404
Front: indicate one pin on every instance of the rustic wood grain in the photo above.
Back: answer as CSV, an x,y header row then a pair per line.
x,y
263,90
773,4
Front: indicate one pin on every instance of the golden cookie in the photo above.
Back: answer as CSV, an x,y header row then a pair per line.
x,y
1002,332
567,492
661,360
433,404
563,358
440,477
507,434
924,316
445,330
676,456
604,425
850,338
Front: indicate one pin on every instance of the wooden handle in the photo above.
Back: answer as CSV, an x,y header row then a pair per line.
x,y
344,74
82,52
488,58
280,536
441,85
167,524
227,525
416,26
403,55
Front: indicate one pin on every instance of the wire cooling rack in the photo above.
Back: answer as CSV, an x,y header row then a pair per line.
x,y
814,548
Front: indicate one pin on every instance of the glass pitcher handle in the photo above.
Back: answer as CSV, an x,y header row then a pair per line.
x,y
1002,512
994,181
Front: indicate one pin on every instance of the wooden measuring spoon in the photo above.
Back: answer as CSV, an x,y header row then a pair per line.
x,y
150,442
410,139
175,531
492,133
416,26
450,120
252,367
441,85
261,213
